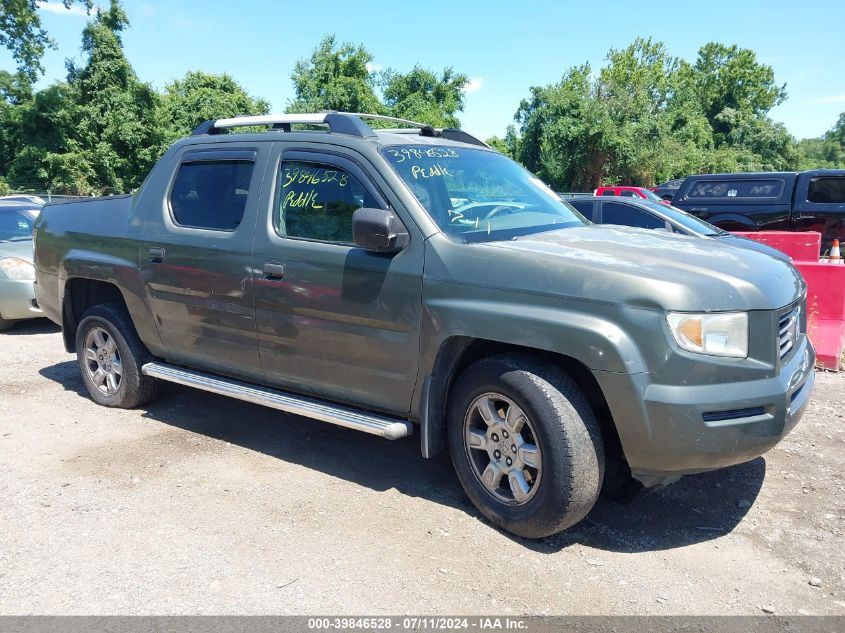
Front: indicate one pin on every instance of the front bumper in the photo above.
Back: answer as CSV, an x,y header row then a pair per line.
x,y
668,431
17,300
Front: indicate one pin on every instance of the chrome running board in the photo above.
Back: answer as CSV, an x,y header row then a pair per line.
x,y
383,426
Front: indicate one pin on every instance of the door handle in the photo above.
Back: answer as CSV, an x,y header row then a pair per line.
x,y
274,270
156,255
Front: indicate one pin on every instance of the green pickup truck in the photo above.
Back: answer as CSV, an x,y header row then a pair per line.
x,y
384,279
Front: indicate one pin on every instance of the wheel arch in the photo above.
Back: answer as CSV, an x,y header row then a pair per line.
x,y
89,278
80,294
459,352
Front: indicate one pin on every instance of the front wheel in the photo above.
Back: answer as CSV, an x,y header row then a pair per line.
x,y
6,324
110,356
525,445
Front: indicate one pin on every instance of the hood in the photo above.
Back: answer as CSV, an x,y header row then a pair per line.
x,y
640,268
21,250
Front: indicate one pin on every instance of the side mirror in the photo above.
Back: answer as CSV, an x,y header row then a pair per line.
x,y
379,230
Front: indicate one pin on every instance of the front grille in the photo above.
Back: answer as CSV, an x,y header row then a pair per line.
x,y
789,326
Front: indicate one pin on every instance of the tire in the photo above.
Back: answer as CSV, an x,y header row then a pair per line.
x,y
6,324
107,329
563,483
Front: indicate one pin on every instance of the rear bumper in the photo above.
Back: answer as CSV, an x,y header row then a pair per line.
x,y
669,430
17,300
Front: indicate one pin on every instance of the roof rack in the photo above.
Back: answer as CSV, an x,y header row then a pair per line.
x,y
338,122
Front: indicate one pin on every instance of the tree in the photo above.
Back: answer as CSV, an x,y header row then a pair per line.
x,y
198,97
646,117
117,127
421,95
728,77
21,32
96,132
827,151
509,146
335,77
340,77
15,90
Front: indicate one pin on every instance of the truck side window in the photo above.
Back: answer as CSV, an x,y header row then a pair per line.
x,y
211,194
826,190
316,202
625,215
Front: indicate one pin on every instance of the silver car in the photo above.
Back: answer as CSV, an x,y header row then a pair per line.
x,y
17,297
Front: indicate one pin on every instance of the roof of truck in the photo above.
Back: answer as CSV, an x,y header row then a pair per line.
x,y
347,124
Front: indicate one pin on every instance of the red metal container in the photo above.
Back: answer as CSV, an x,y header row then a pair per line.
x,y
825,291
825,310
802,247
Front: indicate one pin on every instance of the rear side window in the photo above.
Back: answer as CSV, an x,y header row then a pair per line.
x,y
727,189
826,189
626,215
586,208
316,202
608,192
211,194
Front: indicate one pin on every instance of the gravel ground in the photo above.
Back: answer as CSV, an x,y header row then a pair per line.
x,y
204,505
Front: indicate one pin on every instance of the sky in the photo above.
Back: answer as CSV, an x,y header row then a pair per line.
x,y
505,47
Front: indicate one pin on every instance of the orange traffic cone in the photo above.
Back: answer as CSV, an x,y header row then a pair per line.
x,y
835,256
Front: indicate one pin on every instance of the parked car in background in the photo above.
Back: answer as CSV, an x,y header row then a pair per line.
x,y
17,297
774,201
24,198
668,189
628,192
647,214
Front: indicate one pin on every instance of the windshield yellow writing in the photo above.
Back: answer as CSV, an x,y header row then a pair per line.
x,y
313,176
429,171
301,200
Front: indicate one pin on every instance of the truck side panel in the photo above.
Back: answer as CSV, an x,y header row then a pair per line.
x,y
106,252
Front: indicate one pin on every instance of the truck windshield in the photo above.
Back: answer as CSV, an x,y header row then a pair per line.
x,y
476,195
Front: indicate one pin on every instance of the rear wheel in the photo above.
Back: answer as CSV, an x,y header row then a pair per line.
x,y
110,356
6,324
525,445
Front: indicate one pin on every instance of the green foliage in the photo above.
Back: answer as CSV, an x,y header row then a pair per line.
x,y
647,117
335,77
729,77
198,97
421,95
338,77
103,129
827,151
509,146
21,32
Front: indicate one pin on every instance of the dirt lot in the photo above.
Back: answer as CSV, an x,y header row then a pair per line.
x,y
200,504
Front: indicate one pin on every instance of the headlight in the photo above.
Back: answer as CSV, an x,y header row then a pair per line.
x,y
720,334
18,269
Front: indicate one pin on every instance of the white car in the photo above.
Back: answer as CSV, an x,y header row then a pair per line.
x,y
17,274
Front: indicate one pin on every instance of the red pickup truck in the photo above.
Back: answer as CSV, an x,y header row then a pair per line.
x,y
629,192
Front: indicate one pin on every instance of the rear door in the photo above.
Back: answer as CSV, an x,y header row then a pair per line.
x,y
334,320
820,205
197,256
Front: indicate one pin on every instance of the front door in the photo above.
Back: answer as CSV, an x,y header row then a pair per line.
x,y
197,259
334,320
